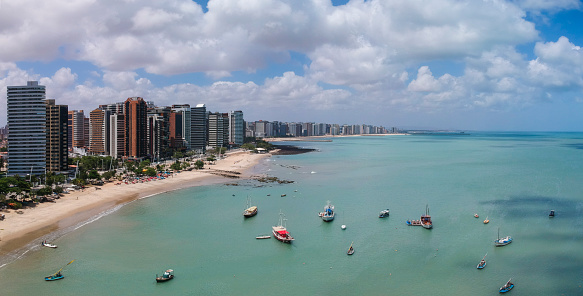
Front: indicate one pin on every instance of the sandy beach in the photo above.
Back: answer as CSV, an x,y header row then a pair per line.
x,y
27,225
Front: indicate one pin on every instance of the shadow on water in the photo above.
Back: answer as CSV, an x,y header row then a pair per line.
x,y
533,206
575,146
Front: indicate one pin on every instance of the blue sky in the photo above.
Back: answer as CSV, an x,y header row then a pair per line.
x,y
442,64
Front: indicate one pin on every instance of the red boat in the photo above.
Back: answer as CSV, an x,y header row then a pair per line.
x,y
280,231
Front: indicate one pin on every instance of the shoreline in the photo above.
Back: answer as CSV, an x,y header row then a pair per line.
x,y
326,138
20,230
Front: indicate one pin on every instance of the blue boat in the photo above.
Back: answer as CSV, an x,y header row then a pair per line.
x,y
507,287
57,275
482,263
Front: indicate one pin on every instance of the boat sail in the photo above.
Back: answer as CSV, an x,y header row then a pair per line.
x,y
280,231
57,275
426,219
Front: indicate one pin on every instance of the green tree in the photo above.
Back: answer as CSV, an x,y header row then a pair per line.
x,y
176,166
47,190
199,164
93,174
108,175
248,146
150,172
178,155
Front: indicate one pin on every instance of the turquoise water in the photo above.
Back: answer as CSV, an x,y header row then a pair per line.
x,y
514,179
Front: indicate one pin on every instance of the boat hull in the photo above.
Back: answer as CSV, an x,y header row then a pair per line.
x,y
285,238
506,289
503,242
250,212
161,280
54,278
327,218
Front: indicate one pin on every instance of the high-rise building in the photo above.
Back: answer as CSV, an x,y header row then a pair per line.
x,y
198,128
136,129
216,130
159,132
57,154
117,134
236,128
99,131
26,129
176,131
184,110
76,129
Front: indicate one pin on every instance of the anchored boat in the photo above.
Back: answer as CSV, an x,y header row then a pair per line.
x,y
328,214
280,231
251,210
168,275
57,275
350,250
502,241
507,287
482,263
426,219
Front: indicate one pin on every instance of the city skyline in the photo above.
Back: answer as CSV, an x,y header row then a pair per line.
x,y
476,65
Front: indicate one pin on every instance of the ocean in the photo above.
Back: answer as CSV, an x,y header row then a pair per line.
x,y
513,179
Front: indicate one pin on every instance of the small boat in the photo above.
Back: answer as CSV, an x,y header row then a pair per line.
x,y
350,250
280,231
502,241
507,287
263,236
283,195
486,221
552,214
384,213
251,210
168,275
343,227
426,219
328,214
57,275
476,215
48,245
482,263
414,222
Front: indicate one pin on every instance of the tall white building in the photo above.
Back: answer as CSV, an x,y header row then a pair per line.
x,y
26,129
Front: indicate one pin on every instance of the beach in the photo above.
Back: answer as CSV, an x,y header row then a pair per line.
x,y
27,225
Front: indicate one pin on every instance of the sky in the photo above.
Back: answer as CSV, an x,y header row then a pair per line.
x,y
494,65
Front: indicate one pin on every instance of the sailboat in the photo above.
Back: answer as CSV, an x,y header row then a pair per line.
x,y
502,241
426,219
280,231
251,210
350,250
57,275
482,263
507,287
486,221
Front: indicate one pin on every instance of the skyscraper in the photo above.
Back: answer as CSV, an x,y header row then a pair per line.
x,y
199,130
236,128
216,130
186,124
26,129
99,131
135,125
57,154
76,129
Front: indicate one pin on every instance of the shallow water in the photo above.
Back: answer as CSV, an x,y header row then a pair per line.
x,y
514,179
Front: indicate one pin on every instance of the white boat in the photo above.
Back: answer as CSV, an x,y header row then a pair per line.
x,y
426,219
328,214
280,231
343,227
384,213
350,250
263,237
48,245
502,241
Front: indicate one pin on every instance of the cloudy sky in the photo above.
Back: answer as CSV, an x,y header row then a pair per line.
x,y
443,64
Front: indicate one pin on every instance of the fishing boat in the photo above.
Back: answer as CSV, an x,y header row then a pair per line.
x,y
552,214
384,213
414,222
280,231
57,275
486,221
350,250
168,275
250,211
426,219
328,214
48,245
482,263
502,241
507,287
263,236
